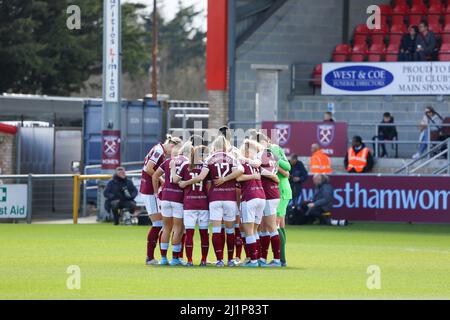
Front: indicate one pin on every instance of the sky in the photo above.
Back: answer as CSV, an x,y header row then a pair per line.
x,y
170,7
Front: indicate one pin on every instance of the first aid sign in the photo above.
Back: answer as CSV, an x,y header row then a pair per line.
x,y
13,201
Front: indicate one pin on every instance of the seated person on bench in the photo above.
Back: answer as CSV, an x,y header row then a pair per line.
x,y
120,193
322,203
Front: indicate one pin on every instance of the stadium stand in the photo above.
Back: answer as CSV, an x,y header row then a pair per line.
x,y
384,43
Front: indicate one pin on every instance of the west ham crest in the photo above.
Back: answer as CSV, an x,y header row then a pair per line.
x,y
283,133
325,134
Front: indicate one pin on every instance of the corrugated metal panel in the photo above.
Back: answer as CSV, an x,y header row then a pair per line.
x,y
141,129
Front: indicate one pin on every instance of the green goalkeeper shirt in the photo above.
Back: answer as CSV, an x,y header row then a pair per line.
x,y
283,162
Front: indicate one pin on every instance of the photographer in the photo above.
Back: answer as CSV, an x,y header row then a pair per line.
x,y
120,193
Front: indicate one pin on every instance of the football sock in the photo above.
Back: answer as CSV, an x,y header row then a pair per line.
x,y
265,243
163,247
238,236
152,240
189,243
204,237
222,234
218,242
250,243
231,242
183,239
244,236
275,242
282,244
258,246
176,249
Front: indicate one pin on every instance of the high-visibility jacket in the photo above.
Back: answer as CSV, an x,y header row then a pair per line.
x,y
320,163
357,161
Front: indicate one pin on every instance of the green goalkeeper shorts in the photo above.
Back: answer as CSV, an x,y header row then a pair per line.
x,y
282,207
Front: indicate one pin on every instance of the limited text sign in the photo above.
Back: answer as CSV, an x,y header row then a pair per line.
x,y
13,201
386,78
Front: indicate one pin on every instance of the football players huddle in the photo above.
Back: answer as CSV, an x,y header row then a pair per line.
x,y
242,193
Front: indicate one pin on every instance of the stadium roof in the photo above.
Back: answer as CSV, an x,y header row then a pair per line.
x,y
250,14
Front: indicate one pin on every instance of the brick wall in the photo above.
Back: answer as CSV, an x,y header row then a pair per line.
x,y
7,153
218,109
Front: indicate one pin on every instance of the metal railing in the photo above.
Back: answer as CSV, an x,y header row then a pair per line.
x,y
438,151
377,143
85,187
186,114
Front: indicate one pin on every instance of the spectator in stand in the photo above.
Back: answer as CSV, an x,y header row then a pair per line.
x,y
408,45
120,193
359,159
297,177
431,119
319,162
328,117
388,133
426,43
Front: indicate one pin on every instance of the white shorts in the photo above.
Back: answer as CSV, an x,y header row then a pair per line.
x,y
171,209
193,217
152,204
252,211
271,207
223,210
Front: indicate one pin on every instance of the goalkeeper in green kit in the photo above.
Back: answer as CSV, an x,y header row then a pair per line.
x,y
285,188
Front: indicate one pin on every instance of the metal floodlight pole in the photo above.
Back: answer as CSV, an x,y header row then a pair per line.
x,y
154,54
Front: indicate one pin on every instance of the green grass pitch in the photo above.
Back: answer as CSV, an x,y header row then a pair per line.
x,y
323,263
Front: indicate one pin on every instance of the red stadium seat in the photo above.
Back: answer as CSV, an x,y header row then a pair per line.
x,y
401,2
400,10
446,34
386,11
359,53
434,2
360,34
378,36
396,34
317,76
447,19
418,3
359,39
434,13
416,14
415,20
341,53
436,28
376,53
444,53
392,52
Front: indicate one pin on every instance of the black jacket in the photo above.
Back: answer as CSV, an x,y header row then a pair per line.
x,y
408,45
369,165
116,190
298,171
324,196
388,132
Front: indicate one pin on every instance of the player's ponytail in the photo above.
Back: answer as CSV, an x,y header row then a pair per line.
x,y
198,154
186,149
172,140
221,144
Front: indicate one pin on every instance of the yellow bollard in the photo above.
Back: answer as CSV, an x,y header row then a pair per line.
x,y
76,197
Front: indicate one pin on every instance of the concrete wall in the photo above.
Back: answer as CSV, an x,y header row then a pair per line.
x,y
301,32
7,153
297,32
